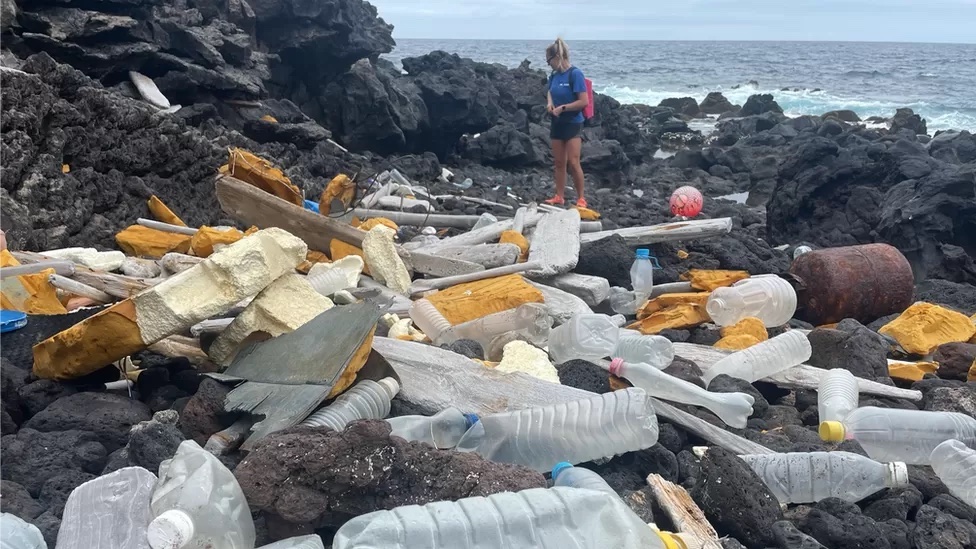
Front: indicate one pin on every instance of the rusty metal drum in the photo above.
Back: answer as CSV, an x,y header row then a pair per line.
x,y
863,282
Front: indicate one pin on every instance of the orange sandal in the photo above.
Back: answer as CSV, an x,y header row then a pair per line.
x,y
555,201
581,203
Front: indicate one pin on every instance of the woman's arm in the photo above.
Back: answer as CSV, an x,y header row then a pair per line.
x,y
549,106
582,100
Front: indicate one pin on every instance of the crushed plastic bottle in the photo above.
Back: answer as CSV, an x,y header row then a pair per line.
x,y
537,518
763,359
441,430
20,534
484,220
91,518
582,430
808,477
312,541
647,349
530,319
198,504
891,434
642,275
766,297
955,464
584,336
732,408
837,395
367,399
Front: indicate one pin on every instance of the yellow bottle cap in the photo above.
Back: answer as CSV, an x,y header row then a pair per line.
x,y
832,431
671,541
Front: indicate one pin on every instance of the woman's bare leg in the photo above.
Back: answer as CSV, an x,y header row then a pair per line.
x,y
573,147
559,159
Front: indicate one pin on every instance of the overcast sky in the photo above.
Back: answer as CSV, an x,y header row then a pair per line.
x,y
845,20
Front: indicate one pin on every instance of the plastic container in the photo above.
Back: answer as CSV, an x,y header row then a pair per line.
x,y
312,541
764,359
441,430
890,434
585,336
226,441
955,463
837,395
807,477
428,319
766,297
582,430
198,504
20,534
530,319
647,349
93,513
484,220
11,321
367,399
329,278
642,275
565,474
537,518
732,408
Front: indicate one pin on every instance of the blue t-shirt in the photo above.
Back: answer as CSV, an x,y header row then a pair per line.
x,y
564,89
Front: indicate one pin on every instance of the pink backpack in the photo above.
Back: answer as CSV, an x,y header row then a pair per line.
x,y
590,106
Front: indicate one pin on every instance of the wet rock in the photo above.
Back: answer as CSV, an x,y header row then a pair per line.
x,y
200,417
840,525
322,478
109,416
16,500
685,369
926,481
857,349
945,399
955,360
948,503
789,537
723,383
584,375
716,103
39,394
656,459
671,437
906,118
31,458
686,106
466,347
56,490
936,529
734,500
759,104
609,258
895,503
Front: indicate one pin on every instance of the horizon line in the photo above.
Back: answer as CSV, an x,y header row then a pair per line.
x,y
686,40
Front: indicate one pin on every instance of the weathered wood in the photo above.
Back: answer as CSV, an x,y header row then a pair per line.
x,y
556,243
420,219
394,302
666,232
684,513
166,227
421,286
671,288
803,376
113,284
482,235
707,431
185,347
593,290
562,305
77,288
486,255
62,267
439,266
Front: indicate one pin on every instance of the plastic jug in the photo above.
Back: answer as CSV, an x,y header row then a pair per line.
x,y
955,463
441,430
585,336
890,434
20,534
732,408
766,297
581,430
367,399
642,275
198,504
537,518
763,359
654,350
108,512
837,395
807,477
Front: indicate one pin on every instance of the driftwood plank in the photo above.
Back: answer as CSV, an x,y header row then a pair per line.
x,y
556,243
666,232
683,511
593,290
483,235
562,305
115,285
425,285
487,255
439,266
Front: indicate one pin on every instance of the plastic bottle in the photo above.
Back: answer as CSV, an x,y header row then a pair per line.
x,y
584,336
581,430
367,399
647,349
565,474
91,518
837,395
484,220
766,297
642,275
732,408
531,319
198,504
807,477
891,434
428,319
763,359
329,278
955,463
312,541
226,441
19,534
537,518
441,430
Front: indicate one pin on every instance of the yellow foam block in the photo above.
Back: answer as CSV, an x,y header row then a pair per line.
x,y
356,364
145,242
339,249
736,342
924,326
682,315
515,237
911,371
587,214
473,300
161,212
374,221
341,188
259,172
662,302
30,293
749,325
708,279
202,244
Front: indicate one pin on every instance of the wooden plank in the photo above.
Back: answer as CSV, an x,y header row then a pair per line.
x,y
666,232
684,513
593,290
115,285
562,305
486,255
803,376
439,266
421,286
556,243
482,235
77,288
419,219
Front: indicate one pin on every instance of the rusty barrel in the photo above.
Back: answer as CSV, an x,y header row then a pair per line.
x,y
863,282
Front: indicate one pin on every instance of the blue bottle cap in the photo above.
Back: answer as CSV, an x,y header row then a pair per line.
x,y
12,320
559,468
311,206
471,419
643,252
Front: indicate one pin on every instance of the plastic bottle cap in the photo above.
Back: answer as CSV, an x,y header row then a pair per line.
x,y
471,419
391,385
171,530
643,252
615,366
897,474
832,431
559,468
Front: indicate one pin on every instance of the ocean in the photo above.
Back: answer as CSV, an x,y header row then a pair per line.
x,y
937,81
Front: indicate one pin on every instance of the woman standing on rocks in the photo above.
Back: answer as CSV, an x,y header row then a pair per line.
x,y
566,100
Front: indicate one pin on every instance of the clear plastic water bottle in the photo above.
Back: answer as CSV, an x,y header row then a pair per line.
x,y
329,278
441,430
807,477
582,430
537,518
955,464
20,534
484,220
586,336
891,434
732,408
367,399
430,321
566,474
766,297
198,504
312,541
837,395
108,512
647,349
764,359
642,275
530,319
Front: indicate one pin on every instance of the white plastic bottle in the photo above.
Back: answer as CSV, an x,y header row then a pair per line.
x,y
584,336
441,430
582,430
20,534
429,319
531,319
808,477
642,275
732,408
312,541
766,297
891,434
566,474
955,464
93,514
198,504
837,395
367,399
763,359
647,349
329,278
537,518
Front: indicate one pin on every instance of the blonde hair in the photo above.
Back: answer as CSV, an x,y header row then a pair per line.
x,y
558,49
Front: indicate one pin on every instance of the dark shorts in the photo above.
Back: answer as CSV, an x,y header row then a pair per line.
x,y
564,131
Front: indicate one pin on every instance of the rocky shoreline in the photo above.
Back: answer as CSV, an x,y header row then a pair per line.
x,y
81,154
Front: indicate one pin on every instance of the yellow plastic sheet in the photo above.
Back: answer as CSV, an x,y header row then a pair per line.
x,y
473,300
259,172
707,279
202,244
162,213
145,242
341,188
